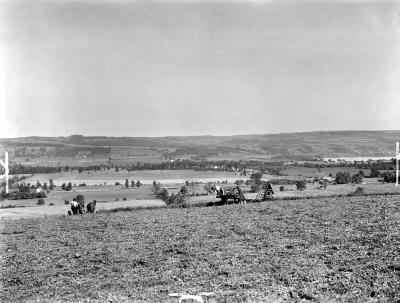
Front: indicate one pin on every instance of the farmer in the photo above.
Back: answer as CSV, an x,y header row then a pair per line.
x,y
268,189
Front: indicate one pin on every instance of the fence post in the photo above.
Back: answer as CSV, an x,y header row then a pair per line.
x,y
5,165
397,163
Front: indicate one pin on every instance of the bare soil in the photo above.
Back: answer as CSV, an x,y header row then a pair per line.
x,y
320,250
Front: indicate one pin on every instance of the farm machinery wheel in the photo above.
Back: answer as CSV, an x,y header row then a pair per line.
x,y
264,196
260,197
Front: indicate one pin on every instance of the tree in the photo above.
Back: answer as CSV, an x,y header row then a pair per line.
x,y
162,194
138,184
256,177
51,182
374,172
116,168
255,182
239,182
282,188
342,177
69,186
184,190
301,185
156,187
63,186
389,177
357,179
132,183
127,183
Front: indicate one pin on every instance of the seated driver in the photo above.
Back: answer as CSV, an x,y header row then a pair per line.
x,y
268,188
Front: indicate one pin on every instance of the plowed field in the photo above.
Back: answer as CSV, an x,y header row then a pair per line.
x,y
334,249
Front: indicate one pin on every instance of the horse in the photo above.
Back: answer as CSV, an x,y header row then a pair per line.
x,y
235,194
219,189
91,207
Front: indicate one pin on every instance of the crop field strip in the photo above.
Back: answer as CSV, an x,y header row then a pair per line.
x,y
328,249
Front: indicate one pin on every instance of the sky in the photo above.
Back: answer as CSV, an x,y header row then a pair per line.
x,y
177,68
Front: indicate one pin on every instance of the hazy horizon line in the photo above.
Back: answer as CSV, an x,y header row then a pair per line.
x,y
209,135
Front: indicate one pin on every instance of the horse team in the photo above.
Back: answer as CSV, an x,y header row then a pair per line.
x,y
78,207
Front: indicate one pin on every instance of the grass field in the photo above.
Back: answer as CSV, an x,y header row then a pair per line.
x,y
331,249
323,172
145,177
108,195
48,210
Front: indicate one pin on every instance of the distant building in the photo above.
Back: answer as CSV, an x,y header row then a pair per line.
x,y
327,179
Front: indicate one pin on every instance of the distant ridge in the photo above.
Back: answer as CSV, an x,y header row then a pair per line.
x,y
282,145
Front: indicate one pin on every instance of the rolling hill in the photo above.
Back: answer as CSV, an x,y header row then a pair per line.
x,y
284,146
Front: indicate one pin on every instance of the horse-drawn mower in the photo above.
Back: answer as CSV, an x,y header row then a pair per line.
x,y
235,195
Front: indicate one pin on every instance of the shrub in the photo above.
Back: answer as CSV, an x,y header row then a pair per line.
x,y
357,179
359,191
68,187
254,187
117,183
256,177
283,181
239,182
342,177
40,202
184,190
42,194
301,185
156,187
162,194
177,200
51,204
374,172
22,195
282,188
66,202
389,177
124,199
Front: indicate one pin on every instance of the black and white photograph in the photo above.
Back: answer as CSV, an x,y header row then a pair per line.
x,y
210,151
